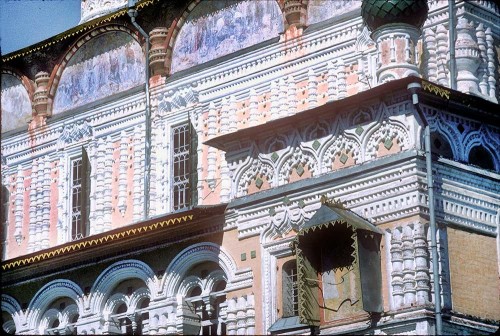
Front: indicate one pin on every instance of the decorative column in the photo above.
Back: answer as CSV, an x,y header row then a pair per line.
x,y
331,80
224,116
430,47
283,99
233,114
92,152
33,206
341,79
100,186
108,182
274,100
19,206
138,168
490,52
396,27
483,72
240,316
397,268
212,152
158,51
467,57
40,96
250,315
312,87
231,317
421,264
292,95
122,178
253,118
45,242
442,52
408,266
62,206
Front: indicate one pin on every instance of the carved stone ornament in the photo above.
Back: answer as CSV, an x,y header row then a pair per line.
x,y
74,132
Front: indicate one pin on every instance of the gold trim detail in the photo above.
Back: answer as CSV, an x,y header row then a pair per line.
x,y
96,241
82,29
428,86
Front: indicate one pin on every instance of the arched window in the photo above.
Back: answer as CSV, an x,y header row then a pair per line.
x,y
207,297
290,294
440,146
128,305
481,157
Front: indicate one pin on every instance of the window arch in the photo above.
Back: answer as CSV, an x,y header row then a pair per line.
x,y
441,146
481,157
205,295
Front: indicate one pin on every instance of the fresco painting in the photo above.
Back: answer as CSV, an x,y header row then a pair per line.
x,y
321,10
230,26
108,64
16,103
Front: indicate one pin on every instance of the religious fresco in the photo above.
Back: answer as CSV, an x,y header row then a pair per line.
x,y
321,10
16,103
230,26
110,63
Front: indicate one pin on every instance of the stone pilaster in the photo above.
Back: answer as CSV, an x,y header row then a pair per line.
x,y
138,169
45,242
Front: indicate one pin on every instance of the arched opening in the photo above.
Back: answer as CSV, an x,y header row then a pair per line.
x,y
207,303
8,324
131,318
481,157
440,146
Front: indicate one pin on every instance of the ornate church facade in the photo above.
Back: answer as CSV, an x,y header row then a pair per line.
x,y
254,167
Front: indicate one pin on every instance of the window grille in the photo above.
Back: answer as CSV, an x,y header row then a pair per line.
x,y
290,290
181,167
76,199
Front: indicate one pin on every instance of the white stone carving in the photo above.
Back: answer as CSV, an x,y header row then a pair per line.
x,y
467,57
122,179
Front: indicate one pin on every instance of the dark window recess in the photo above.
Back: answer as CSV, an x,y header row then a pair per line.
x,y
440,146
481,157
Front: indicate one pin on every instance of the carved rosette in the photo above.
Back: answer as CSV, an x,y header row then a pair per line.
x,y
158,51
40,97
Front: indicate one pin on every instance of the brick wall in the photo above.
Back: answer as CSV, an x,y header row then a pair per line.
x,y
474,274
